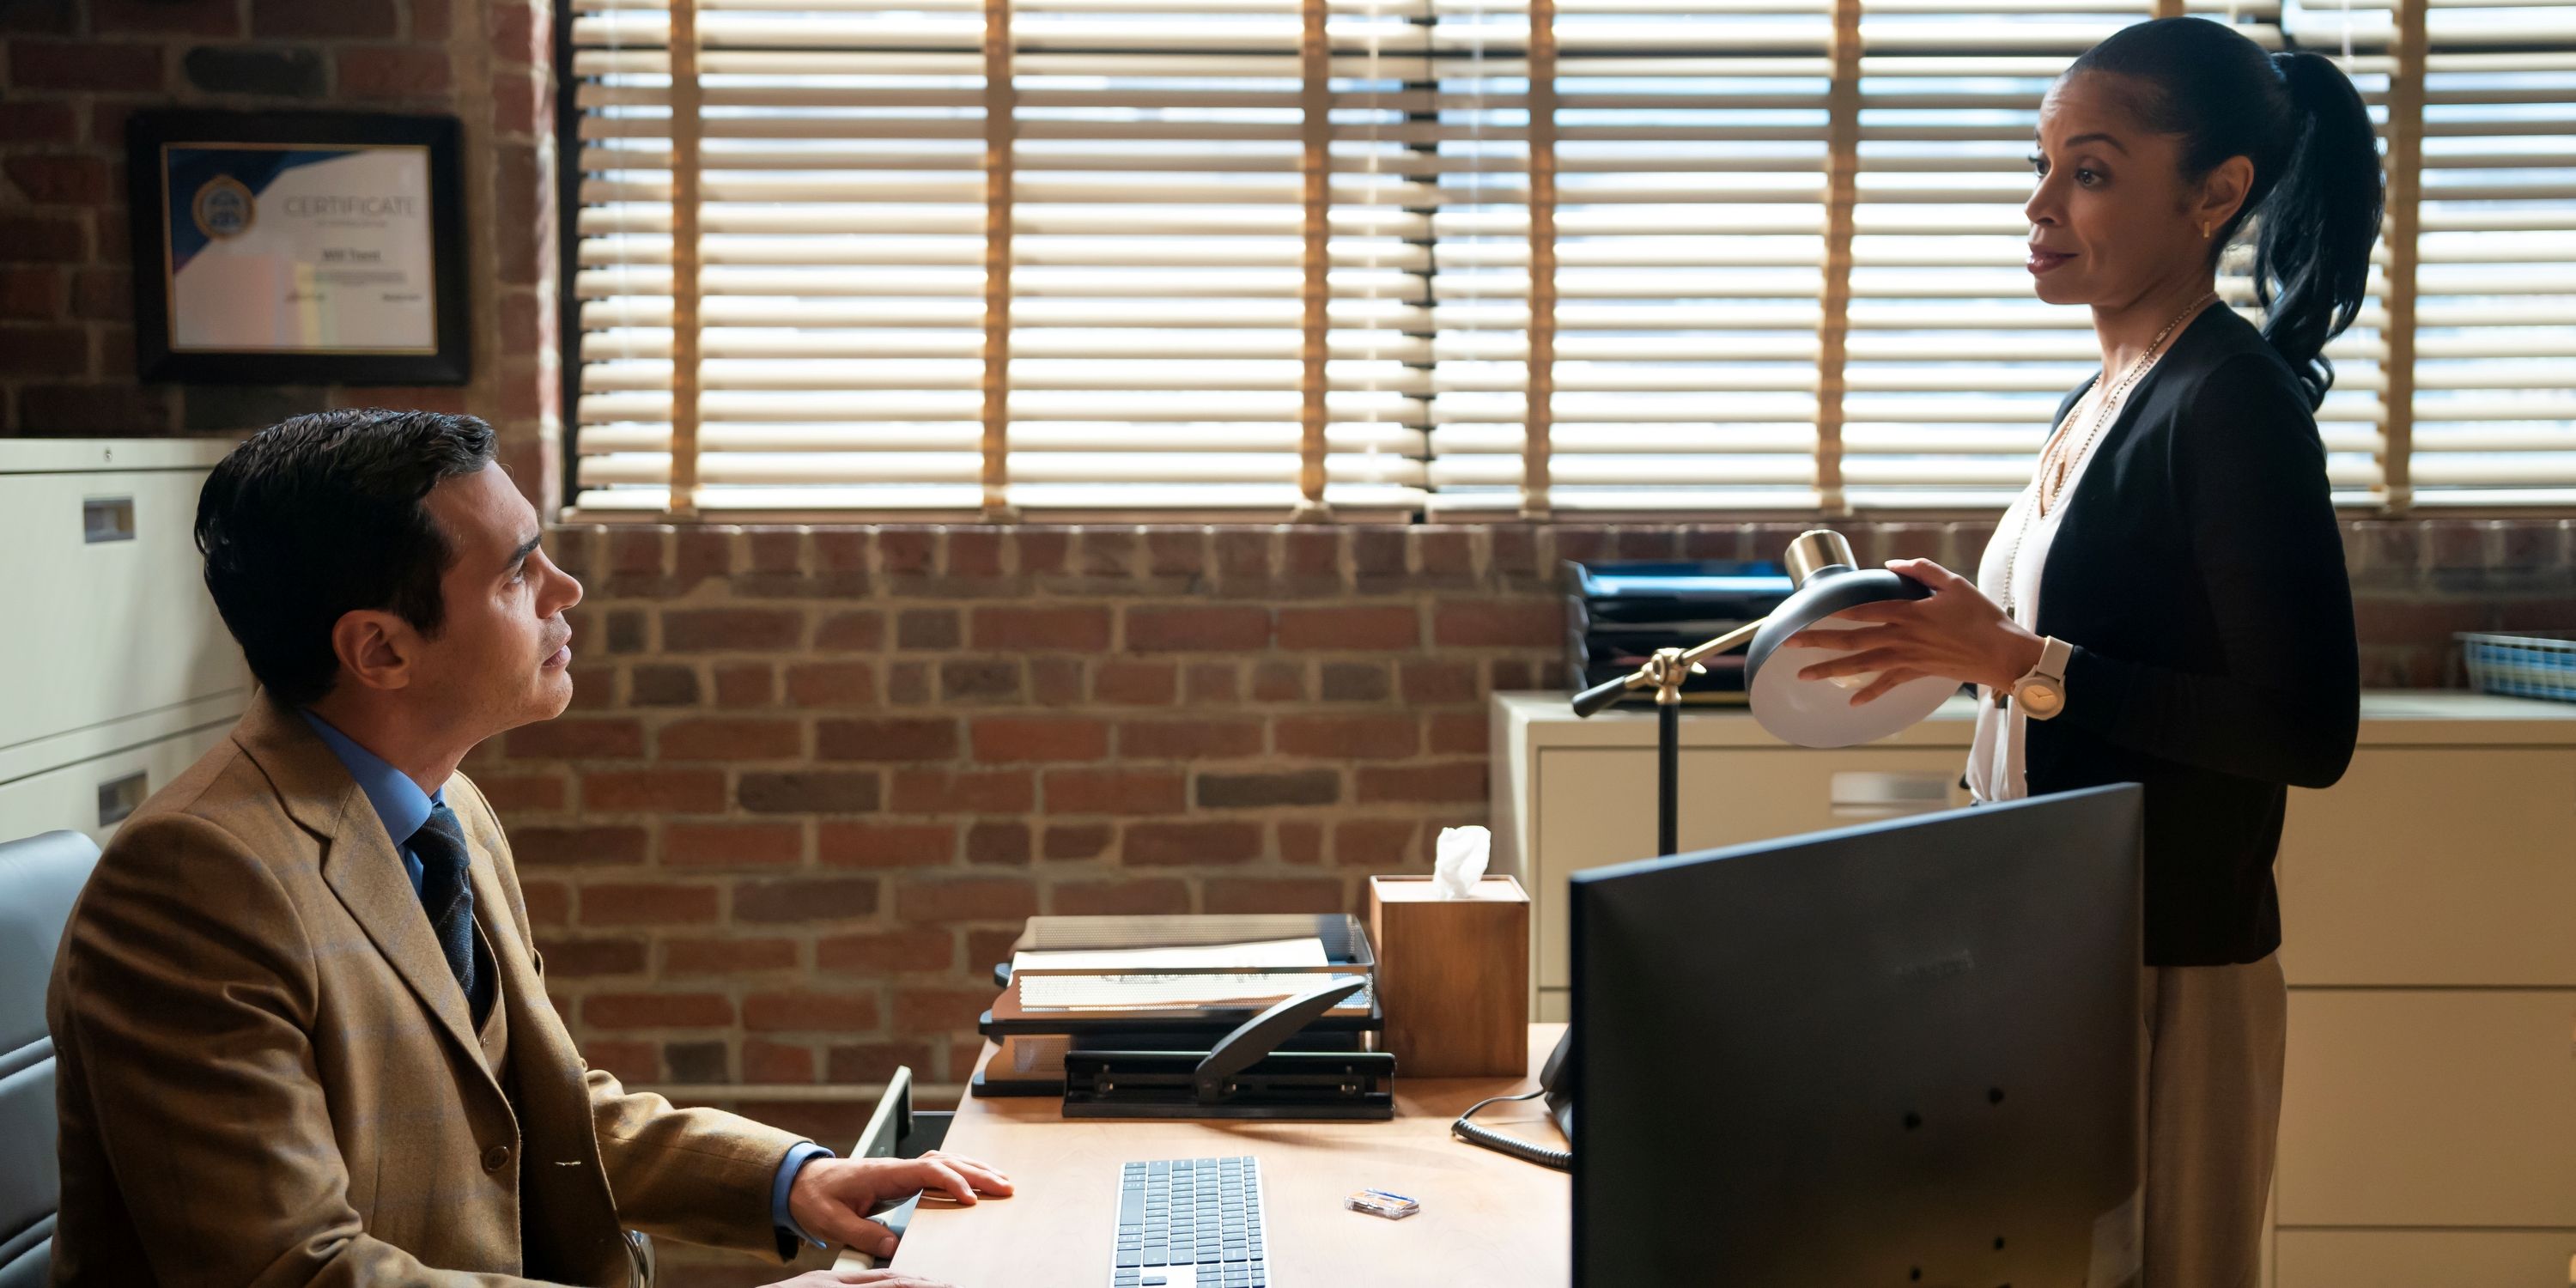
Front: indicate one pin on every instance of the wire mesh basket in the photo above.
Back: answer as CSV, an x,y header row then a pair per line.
x,y
2539,665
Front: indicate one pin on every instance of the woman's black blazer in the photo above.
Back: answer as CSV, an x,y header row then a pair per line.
x,y
2199,575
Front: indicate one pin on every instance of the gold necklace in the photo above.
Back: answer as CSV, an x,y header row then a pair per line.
x,y
2054,453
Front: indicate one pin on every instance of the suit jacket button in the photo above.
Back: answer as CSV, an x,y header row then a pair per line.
x,y
496,1158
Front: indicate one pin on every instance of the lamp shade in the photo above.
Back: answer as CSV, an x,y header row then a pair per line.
x,y
1819,713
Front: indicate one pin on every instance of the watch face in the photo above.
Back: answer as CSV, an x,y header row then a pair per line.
x,y
2038,699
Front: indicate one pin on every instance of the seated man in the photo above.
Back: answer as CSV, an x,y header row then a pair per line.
x,y
304,1038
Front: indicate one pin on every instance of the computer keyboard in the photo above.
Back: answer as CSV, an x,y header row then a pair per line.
x,y
1190,1223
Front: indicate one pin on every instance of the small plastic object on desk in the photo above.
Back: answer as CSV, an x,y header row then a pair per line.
x,y
1392,1206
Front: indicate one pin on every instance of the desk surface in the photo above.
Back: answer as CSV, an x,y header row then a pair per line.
x,y
1486,1220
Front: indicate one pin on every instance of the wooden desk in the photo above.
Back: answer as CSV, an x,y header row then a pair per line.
x,y
1486,1220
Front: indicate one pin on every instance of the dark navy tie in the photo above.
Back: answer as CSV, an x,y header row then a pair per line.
x,y
447,896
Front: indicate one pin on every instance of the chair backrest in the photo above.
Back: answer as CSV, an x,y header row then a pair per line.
x,y
39,878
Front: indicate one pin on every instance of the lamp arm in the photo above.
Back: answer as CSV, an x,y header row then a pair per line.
x,y
1658,670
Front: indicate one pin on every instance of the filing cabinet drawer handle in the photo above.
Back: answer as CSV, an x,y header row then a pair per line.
x,y
107,518
119,797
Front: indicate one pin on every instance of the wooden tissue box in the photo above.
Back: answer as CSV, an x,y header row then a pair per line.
x,y
1452,976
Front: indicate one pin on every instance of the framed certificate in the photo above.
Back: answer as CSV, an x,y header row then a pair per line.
x,y
297,248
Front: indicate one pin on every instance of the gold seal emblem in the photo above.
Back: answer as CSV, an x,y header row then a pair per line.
x,y
224,207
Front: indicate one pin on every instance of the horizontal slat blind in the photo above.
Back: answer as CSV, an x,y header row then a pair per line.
x,y
1709,346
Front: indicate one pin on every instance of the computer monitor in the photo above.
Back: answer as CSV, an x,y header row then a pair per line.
x,y
1907,1054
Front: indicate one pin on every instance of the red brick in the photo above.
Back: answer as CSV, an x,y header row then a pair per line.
x,y
1221,628
1274,894
1499,623
1185,844
1462,782
1005,739
1116,791
1314,554
964,791
809,791
714,630
732,845
549,902
38,123
776,1062
887,740
866,1062
1379,844
700,553
2416,620
1301,842
990,947
657,1011
858,632
393,72
631,1062
518,36
885,952
1176,552
967,899
974,552
44,239
805,899
578,738
1377,553
509,793
1003,843
1212,682
643,904
644,551
1354,737
841,550
908,552
165,17
589,958
34,293
1188,739
1136,684
1460,733
1427,683
569,846
51,350
805,1011
103,295
885,845
832,684
1265,790
1055,681
921,1009
1075,841
1350,629
1041,550
928,628
1277,680
727,956
745,684
84,64
1045,629
658,791
732,738
342,18
1112,898
1449,553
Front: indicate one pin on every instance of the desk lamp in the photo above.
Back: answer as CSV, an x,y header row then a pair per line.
x,y
1807,713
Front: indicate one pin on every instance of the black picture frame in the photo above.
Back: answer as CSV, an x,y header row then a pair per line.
x,y
148,138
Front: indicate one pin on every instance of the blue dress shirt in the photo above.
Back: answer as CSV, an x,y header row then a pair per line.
x,y
403,807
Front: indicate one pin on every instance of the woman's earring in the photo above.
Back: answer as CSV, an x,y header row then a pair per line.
x,y
2204,231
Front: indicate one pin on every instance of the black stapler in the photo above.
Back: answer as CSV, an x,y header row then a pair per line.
x,y
1243,1076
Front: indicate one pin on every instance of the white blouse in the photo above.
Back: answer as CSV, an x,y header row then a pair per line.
x,y
1995,756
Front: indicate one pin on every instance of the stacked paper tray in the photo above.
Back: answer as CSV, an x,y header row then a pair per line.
x,y
1166,983
2538,665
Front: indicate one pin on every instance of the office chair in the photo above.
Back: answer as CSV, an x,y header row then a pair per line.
x,y
39,878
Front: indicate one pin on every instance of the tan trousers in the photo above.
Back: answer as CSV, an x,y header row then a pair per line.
x,y
2215,1037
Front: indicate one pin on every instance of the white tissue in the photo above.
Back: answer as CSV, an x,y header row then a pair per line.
x,y
1460,860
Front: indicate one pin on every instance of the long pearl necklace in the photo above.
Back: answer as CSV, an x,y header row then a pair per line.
x,y
2054,461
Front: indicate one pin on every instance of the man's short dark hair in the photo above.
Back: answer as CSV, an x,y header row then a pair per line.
x,y
322,515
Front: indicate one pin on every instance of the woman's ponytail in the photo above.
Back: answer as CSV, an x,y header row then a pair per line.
x,y
2317,192
2314,232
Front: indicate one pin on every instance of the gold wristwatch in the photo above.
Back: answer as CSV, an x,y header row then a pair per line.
x,y
2041,694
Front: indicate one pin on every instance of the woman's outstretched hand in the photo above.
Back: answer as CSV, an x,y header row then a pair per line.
x,y
1956,634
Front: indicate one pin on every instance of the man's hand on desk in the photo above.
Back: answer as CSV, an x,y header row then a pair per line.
x,y
832,1196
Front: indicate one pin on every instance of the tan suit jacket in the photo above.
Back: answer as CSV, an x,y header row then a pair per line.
x,y
268,1076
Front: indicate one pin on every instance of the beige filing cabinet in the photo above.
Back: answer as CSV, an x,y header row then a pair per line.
x,y
2428,1126
115,671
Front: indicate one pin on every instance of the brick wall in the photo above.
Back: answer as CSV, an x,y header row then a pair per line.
x,y
814,778
71,71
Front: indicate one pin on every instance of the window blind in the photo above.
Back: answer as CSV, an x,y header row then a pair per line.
x,y
1059,258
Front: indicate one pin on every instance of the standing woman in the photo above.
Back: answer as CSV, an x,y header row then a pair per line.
x,y
2166,603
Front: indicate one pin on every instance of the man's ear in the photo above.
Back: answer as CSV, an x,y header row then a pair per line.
x,y
375,648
